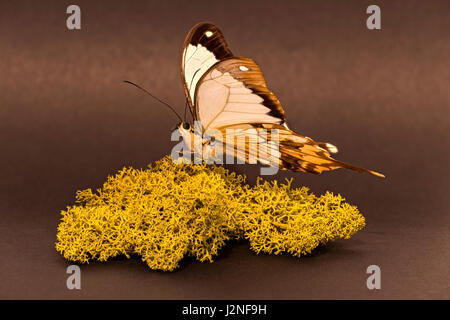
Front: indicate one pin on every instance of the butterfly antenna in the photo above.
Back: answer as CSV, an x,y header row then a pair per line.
x,y
159,100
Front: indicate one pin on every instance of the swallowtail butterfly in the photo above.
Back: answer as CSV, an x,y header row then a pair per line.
x,y
224,92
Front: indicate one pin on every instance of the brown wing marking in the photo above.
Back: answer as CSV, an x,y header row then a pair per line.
x,y
297,152
310,156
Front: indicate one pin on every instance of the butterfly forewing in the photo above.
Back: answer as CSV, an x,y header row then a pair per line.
x,y
204,46
233,92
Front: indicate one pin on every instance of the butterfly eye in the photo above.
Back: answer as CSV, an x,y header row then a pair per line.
x,y
186,126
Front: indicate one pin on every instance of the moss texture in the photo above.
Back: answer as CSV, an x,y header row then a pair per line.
x,y
170,210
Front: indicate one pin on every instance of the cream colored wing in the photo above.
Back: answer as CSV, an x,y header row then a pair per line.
x,y
234,92
204,46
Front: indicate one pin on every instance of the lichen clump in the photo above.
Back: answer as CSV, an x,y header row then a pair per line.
x,y
169,210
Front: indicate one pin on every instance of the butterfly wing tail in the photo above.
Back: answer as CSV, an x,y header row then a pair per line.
x,y
359,169
299,153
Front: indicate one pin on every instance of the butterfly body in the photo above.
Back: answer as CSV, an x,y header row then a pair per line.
x,y
227,94
193,141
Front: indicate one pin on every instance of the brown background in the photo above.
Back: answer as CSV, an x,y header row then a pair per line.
x,y
67,121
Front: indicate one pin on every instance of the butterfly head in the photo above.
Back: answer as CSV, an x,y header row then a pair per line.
x,y
184,126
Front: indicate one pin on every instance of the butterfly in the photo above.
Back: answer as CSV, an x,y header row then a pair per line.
x,y
224,91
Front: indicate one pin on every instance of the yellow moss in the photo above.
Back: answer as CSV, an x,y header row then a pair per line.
x,y
278,218
172,210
